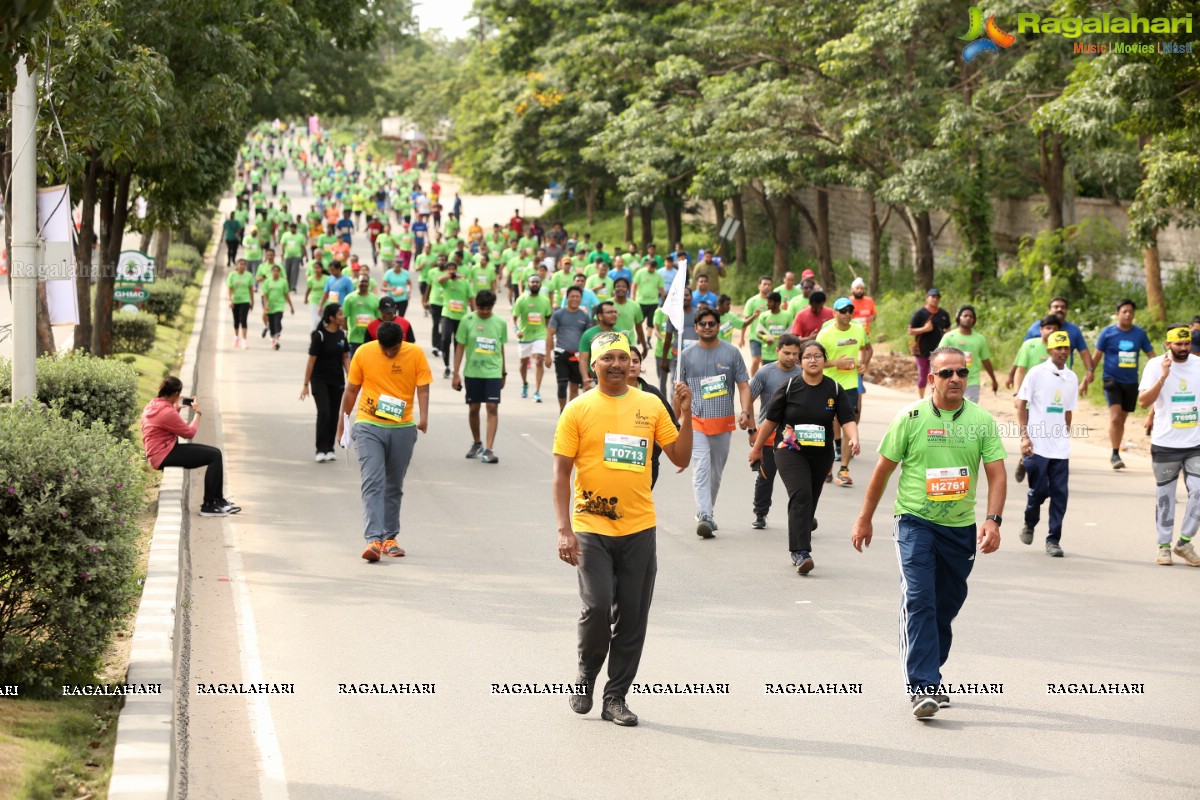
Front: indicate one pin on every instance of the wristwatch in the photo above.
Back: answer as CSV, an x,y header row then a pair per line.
x,y
996,518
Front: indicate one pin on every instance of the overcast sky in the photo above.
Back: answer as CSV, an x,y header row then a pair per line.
x,y
445,14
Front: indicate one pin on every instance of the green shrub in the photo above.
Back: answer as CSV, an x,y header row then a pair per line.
x,y
166,298
186,254
199,231
102,389
69,496
133,333
176,271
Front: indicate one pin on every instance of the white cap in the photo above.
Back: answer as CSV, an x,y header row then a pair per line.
x,y
857,282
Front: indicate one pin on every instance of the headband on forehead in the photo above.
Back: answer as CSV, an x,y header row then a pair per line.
x,y
606,341
1179,335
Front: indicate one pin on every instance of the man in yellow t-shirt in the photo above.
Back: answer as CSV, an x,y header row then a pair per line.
x,y
390,372
606,528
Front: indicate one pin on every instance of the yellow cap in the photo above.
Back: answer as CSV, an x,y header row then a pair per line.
x,y
606,341
1058,339
1179,335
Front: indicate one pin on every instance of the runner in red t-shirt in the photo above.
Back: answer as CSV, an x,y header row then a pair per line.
x,y
809,320
387,313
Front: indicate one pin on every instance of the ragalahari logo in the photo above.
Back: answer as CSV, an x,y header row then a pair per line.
x,y
983,38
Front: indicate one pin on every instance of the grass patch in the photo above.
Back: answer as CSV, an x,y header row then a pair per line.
x,y
57,748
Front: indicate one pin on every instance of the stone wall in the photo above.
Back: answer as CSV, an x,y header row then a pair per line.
x,y
849,230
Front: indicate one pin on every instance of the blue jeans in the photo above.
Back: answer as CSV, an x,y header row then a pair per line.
x,y
1047,478
935,561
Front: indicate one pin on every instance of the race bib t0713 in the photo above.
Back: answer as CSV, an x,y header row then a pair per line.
x,y
943,484
625,452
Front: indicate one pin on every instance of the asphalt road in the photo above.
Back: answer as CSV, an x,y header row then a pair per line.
x,y
280,595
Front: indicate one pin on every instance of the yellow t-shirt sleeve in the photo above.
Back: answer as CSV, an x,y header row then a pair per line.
x,y
665,431
355,375
566,435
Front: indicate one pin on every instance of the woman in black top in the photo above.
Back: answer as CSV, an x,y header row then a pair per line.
x,y
328,363
803,410
635,380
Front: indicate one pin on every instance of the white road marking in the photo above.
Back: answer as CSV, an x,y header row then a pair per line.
x,y
272,784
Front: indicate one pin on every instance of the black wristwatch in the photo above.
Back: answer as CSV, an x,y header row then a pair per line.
x,y
996,518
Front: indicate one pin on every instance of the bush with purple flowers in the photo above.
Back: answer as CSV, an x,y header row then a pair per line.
x,y
70,493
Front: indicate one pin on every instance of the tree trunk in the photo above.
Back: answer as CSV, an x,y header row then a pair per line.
x,y
647,213
739,239
923,244
719,213
874,257
782,237
45,333
1053,174
628,225
824,250
1155,299
83,256
162,244
114,210
673,211
589,195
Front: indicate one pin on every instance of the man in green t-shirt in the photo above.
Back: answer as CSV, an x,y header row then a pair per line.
x,y
729,320
648,288
456,299
772,324
751,311
941,442
606,318
847,353
293,243
480,341
630,320
976,348
531,312
361,309
276,295
1031,353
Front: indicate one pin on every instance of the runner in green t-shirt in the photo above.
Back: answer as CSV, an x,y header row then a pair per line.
x,y
479,359
630,318
648,286
1031,353
965,338
276,295
788,290
939,444
360,308
483,276
847,355
314,288
456,297
530,313
771,325
385,247
606,320
600,284
753,308
729,320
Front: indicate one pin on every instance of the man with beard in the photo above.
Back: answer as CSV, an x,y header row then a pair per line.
x,y
1170,385
606,526
530,315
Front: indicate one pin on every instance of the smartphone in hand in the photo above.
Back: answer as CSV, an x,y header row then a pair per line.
x,y
187,401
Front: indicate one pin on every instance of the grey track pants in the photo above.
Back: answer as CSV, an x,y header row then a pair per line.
x,y
616,584
383,457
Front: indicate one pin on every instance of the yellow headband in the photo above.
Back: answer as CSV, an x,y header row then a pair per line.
x,y
607,341
1179,335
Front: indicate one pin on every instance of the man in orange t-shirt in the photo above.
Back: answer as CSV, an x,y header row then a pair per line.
x,y
864,307
390,373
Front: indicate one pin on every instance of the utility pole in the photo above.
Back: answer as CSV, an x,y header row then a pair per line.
x,y
23,213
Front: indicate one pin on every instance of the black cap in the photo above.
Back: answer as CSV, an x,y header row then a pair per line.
x,y
387,304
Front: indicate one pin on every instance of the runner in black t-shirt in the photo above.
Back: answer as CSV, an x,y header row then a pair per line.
x,y
325,376
928,323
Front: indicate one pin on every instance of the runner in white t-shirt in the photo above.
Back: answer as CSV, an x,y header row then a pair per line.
x,y
1045,401
1171,384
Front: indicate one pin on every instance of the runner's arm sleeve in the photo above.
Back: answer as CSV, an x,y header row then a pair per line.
x,y
666,430
845,412
894,446
993,447
566,434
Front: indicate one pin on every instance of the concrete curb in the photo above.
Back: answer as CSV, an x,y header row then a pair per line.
x,y
146,759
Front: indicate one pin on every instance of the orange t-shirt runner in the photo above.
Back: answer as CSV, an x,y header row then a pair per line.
x,y
388,384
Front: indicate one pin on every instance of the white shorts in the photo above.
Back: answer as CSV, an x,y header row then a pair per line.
x,y
536,347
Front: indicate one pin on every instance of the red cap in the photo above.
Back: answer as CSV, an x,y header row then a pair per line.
x,y
808,273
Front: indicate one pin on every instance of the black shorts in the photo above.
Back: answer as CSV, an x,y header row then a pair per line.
x,y
566,368
1122,394
482,390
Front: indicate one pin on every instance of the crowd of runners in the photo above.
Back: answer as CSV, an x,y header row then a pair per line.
x,y
534,296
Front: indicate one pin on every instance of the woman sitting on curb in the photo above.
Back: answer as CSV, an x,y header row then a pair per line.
x,y
161,427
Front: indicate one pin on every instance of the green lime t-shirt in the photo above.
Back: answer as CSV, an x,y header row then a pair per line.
x,y
939,453
770,327
360,311
293,244
275,290
455,294
483,277
386,246
316,288
240,283
532,313
976,348
842,344
629,314
1031,353
647,286
730,322
787,294
602,287
253,249
484,340
752,305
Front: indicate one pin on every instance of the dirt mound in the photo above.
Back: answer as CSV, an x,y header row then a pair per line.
x,y
893,370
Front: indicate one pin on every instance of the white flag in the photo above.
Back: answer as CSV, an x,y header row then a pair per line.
x,y
673,305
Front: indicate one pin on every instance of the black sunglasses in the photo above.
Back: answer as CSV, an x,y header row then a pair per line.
x,y
706,323
961,372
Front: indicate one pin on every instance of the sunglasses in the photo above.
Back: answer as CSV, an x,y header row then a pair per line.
x,y
961,372
846,310
706,323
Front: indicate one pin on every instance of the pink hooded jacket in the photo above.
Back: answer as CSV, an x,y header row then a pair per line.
x,y
161,424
